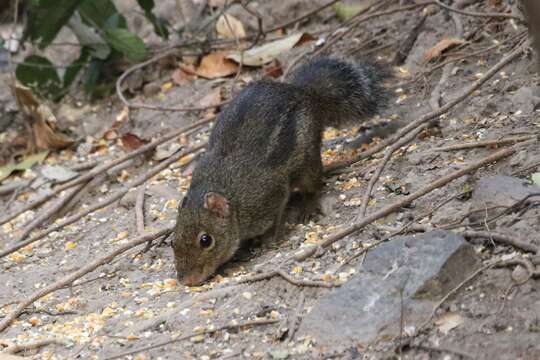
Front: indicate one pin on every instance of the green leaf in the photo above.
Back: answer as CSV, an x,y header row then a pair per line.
x,y
97,13
39,74
536,178
160,25
126,42
46,18
27,163
75,67
146,5
92,76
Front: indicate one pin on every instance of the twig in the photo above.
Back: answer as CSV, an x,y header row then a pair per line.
x,y
502,239
302,17
79,273
453,291
11,40
406,46
139,210
485,143
294,321
353,23
229,326
238,49
310,251
529,167
432,115
356,21
141,65
103,168
478,14
367,194
13,186
288,278
107,201
49,212
168,315
32,346
443,350
475,53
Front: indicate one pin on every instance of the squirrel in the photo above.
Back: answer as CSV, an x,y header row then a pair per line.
x,y
266,143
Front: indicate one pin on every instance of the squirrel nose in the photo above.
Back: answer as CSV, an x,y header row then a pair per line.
x,y
192,279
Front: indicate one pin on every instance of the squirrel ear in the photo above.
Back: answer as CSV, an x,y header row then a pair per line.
x,y
217,204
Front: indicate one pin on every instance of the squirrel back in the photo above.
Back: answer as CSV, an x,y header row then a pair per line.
x,y
266,144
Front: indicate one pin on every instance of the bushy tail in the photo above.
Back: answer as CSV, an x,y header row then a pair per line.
x,y
347,92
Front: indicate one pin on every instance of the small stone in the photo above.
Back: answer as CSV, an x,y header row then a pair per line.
x,y
520,274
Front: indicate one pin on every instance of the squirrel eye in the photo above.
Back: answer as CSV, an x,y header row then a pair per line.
x,y
205,240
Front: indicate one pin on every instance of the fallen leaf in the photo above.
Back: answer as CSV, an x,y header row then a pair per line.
x,y
44,137
216,65
181,77
25,164
273,69
165,151
264,54
448,322
110,135
132,142
58,173
211,99
536,178
347,11
440,47
229,27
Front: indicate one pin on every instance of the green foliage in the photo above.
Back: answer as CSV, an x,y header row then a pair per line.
x,y
160,26
39,74
126,42
102,33
46,18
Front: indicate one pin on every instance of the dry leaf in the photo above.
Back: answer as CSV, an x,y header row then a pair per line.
x,y
213,98
274,69
27,163
40,114
440,47
216,65
448,322
230,27
181,77
110,135
132,142
264,54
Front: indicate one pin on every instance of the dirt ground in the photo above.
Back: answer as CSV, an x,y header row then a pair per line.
x,y
110,310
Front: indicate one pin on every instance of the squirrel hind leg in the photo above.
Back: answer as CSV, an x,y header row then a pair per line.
x,y
306,203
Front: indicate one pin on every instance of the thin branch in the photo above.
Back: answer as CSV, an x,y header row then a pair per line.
x,y
229,326
280,272
479,14
23,304
49,212
434,114
17,348
391,150
485,143
107,201
503,239
311,250
103,168
139,210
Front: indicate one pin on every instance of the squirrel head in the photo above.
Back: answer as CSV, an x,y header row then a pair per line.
x,y
204,238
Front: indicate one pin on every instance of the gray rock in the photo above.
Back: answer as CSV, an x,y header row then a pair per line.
x,y
502,191
526,99
415,270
